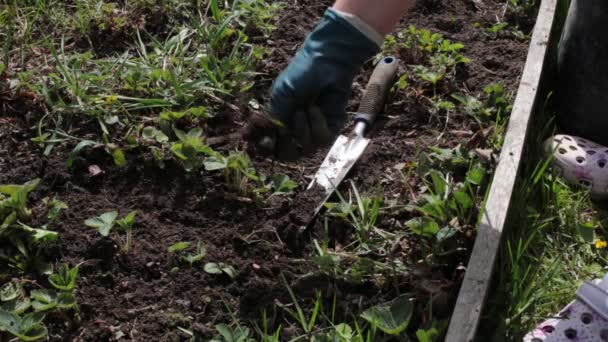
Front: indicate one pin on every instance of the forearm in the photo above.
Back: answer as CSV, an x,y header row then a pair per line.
x,y
381,15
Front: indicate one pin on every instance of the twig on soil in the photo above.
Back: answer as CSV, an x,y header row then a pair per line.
x,y
145,308
246,239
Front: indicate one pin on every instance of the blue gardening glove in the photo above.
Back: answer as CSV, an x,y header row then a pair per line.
x,y
309,98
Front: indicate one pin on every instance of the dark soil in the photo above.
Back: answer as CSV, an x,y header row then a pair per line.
x,y
141,294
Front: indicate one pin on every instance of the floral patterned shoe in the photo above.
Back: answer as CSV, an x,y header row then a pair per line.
x,y
583,320
582,162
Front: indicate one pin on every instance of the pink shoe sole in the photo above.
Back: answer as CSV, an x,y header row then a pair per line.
x,y
583,320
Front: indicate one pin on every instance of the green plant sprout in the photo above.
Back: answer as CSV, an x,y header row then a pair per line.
x,y
126,224
178,247
237,170
105,222
220,268
190,147
55,207
191,259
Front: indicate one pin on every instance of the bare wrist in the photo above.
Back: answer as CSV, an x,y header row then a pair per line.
x,y
381,15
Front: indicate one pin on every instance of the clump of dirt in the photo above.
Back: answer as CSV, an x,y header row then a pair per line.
x,y
142,295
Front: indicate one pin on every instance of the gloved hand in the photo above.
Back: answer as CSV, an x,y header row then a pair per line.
x,y
309,98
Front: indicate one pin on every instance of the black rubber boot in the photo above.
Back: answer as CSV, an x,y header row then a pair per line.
x,y
583,71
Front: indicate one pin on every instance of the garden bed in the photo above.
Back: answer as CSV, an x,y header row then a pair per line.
x,y
429,143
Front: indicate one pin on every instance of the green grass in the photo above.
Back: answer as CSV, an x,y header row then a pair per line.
x,y
127,68
550,250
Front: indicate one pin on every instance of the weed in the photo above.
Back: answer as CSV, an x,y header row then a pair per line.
x,y
306,323
232,334
345,266
362,214
392,318
200,63
496,104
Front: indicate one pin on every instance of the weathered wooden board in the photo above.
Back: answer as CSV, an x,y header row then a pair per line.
x,y
474,290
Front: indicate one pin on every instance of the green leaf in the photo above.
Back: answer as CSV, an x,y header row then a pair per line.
x,y
392,318
127,222
40,235
344,331
103,223
424,226
16,307
8,221
10,291
434,208
9,322
151,133
119,157
66,300
65,278
31,328
464,200
403,81
225,331
445,233
215,163
201,251
283,185
14,190
76,151
229,270
440,186
55,207
427,335
178,247
43,300
587,232
475,176
17,201
213,268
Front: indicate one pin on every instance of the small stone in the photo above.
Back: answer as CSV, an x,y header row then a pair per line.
x,y
95,170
